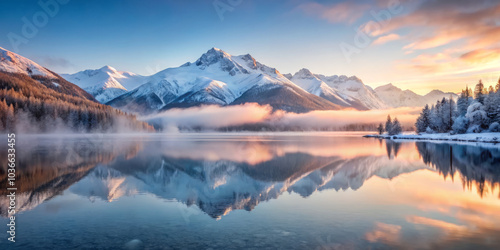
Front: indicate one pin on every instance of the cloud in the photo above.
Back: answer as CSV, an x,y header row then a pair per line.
x,y
437,23
345,12
454,62
457,28
387,38
481,56
213,117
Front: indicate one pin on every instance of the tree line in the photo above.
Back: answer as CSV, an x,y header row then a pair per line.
x,y
34,105
391,127
474,111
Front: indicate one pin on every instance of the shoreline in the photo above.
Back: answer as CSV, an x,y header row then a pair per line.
x,y
479,137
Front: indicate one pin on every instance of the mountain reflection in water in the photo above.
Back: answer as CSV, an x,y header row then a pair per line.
x,y
220,174
394,194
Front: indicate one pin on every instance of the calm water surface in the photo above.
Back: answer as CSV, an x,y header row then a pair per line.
x,y
261,191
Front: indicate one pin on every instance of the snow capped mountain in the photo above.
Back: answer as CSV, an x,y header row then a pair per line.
x,y
218,78
222,79
433,96
14,63
354,91
396,97
341,90
105,83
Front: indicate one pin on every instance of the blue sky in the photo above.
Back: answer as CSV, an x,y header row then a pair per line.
x,y
147,36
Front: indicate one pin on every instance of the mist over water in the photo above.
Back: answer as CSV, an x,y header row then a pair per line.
x,y
213,117
240,190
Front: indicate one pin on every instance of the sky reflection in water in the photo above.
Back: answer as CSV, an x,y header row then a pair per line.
x,y
319,190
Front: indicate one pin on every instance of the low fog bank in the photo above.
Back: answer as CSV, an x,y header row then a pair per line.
x,y
255,117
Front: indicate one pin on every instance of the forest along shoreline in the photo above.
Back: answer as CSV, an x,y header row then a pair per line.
x,y
482,137
474,117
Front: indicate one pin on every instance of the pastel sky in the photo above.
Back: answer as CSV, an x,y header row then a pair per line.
x,y
415,44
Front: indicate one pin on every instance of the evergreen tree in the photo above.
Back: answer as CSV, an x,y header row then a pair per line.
x,y
396,128
478,120
461,125
496,103
380,129
463,103
436,118
448,114
423,120
388,124
479,92
491,106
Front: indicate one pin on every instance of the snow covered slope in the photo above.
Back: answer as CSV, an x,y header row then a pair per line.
x,y
396,97
14,63
341,90
105,83
222,79
433,96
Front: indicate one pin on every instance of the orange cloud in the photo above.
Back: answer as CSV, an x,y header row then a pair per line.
x,y
481,56
386,39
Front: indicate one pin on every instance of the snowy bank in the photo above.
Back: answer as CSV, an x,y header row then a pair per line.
x,y
473,137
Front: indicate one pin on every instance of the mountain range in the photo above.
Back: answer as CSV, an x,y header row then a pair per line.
x,y
220,78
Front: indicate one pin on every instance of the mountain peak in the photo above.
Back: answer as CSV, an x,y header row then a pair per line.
x,y
107,68
225,60
304,74
216,49
388,87
212,56
217,52
435,92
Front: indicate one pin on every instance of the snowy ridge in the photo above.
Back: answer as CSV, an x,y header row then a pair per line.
x,y
105,83
14,63
396,97
219,78
215,78
342,90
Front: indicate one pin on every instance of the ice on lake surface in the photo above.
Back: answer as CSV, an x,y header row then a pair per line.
x,y
262,190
